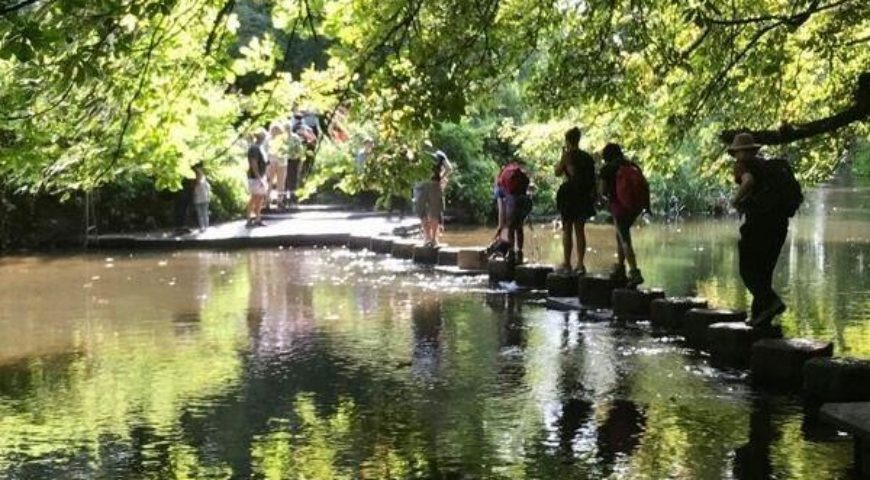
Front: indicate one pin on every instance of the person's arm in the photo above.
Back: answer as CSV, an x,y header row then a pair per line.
x,y
746,183
562,166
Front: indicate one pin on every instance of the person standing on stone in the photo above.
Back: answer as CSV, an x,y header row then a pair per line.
x,y
201,193
257,182
295,158
575,198
622,184
767,196
429,206
517,204
277,168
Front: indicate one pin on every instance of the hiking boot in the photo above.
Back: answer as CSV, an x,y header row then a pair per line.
x,y
765,318
634,278
617,274
580,271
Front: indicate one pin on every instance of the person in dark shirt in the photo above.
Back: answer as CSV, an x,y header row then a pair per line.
x,y
575,198
257,183
614,159
762,234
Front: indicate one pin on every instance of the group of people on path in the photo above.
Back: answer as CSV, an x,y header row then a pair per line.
x,y
768,195
277,163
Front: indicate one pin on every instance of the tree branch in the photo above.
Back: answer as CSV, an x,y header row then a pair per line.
x,y
14,8
795,19
859,111
218,22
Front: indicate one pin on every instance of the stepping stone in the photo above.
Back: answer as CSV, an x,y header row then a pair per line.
x,y
500,270
360,242
837,379
532,276
697,321
471,258
561,284
631,304
404,249
459,272
731,343
425,255
448,257
599,315
781,361
382,245
564,304
596,291
668,313
855,419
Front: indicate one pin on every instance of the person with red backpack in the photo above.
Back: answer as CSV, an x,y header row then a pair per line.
x,y
626,190
767,196
513,181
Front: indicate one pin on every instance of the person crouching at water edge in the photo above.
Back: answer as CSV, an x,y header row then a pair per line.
x,y
767,196
514,183
257,183
429,206
626,190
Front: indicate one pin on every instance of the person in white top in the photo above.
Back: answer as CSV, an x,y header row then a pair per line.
x,y
276,171
201,193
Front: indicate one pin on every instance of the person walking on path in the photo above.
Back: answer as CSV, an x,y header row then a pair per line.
x,y
257,182
514,183
767,195
626,190
201,193
295,158
277,169
575,198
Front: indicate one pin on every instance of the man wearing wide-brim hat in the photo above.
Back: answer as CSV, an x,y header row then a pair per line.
x,y
762,234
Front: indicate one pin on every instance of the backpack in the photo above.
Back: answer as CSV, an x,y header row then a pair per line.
x,y
513,180
779,191
632,191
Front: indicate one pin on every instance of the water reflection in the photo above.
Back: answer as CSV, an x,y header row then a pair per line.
x,y
332,364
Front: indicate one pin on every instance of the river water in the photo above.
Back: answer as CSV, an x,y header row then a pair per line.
x,y
330,364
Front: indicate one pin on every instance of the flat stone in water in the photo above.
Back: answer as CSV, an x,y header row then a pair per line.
x,y
668,313
500,270
781,361
382,245
855,419
564,304
837,379
697,321
360,242
425,255
563,284
596,290
448,257
631,304
731,343
471,258
458,272
532,275
404,249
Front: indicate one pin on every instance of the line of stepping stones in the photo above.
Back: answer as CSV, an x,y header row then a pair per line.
x,y
795,364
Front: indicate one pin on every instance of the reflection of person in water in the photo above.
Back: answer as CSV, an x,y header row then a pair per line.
x,y
426,320
576,408
620,432
752,460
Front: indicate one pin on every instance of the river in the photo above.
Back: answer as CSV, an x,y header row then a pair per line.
x,y
331,364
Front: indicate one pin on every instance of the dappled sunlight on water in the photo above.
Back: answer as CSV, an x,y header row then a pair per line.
x,y
296,363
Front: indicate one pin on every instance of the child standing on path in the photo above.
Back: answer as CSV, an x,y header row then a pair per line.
x,y
575,198
201,192
627,192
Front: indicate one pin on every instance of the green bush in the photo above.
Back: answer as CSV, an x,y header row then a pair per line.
x,y
861,159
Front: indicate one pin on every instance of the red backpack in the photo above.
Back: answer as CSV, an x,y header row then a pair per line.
x,y
513,180
632,191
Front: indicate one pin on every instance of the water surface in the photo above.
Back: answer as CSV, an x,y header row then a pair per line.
x,y
323,364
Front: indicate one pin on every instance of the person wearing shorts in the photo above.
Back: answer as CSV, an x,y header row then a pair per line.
x,y
257,182
429,207
575,198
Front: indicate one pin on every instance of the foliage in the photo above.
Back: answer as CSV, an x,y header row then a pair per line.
x,y
861,159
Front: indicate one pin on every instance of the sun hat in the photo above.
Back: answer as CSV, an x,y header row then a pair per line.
x,y
743,141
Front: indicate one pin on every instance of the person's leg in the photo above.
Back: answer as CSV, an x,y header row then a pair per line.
x,y
620,251
201,215
580,232
773,234
281,183
749,263
567,242
293,166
